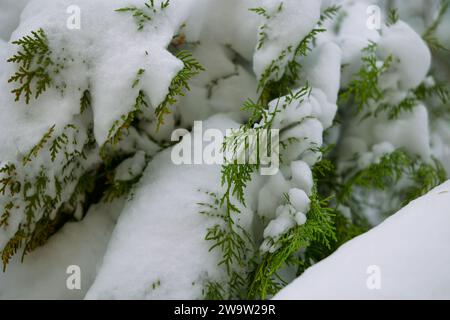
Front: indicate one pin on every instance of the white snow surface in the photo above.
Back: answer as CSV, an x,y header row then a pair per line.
x,y
110,66
401,41
285,28
158,248
160,236
10,11
43,273
409,249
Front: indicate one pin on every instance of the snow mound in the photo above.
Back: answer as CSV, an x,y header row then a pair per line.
x,y
161,235
287,23
405,257
43,274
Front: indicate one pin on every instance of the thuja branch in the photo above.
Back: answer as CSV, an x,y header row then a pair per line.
x,y
33,60
179,84
145,14
318,228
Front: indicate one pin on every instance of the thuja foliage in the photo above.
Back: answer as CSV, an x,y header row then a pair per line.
x,y
420,94
145,14
177,88
389,170
179,84
42,195
33,60
234,243
326,227
120,127
364,90
52,192
430,33
393,17
318,228
261,271
284,71
262,30
48,196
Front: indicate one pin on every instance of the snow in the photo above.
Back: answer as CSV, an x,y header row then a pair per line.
x,y
323,69
299,199
381,149
355,22
160,235
280,225
43,274
417,13
307,135
401,41
300,218
238,26
410,131
271,195
410,250
128,51
351,47
302,176
104,56
131,167
209,94
158,248
10,11
285,28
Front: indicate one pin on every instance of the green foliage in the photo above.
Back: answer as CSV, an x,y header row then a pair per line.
x,y
274,82
33,60
156,284
118,188
120,127
318,228
388,171
393,17
85,101
262,30
234,243
214,290
329,13
364,89
420,94
145,14
43,194
235,176
345,230
138,76
8,181
180,83
430,33
39,146
12,247
56,145
261,11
